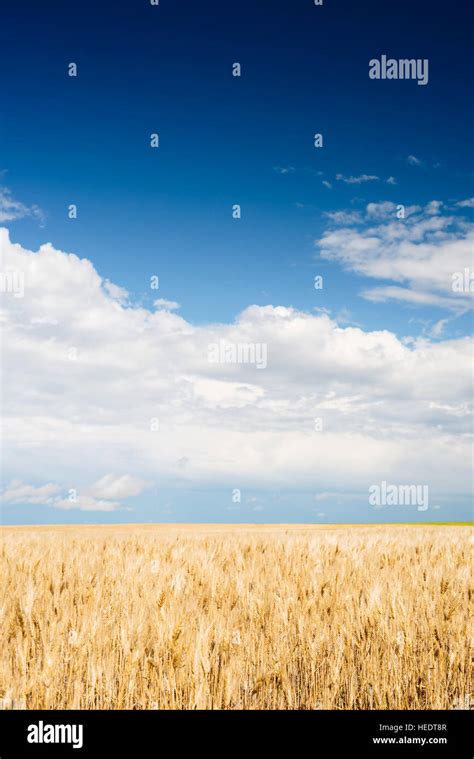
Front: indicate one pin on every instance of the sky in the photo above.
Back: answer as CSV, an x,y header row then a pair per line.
x,y
114,408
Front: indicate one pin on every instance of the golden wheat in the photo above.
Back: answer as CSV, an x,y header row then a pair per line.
x,y
225,617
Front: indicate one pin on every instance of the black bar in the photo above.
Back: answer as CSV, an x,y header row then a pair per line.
x,y
185,733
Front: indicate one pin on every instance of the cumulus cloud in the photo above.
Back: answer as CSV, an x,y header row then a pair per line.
x,y
86,503
116,292
168,305
414,161
386,209
358,179
421,253
284,169
19,492
111,486
98,497
344,217
11,209
381,294
468,203
138,393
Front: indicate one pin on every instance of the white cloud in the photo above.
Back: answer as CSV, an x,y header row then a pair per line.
x,y
468,203
386,209
111,486
167,305
392,292
99,497
434,207
116,292
11,209
327,184
19,492
438,327
70,421
414,161
344,217
86,503
284,169
356,180
419,253
391,180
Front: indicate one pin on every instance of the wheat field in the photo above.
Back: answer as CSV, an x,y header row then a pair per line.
x,y
235,617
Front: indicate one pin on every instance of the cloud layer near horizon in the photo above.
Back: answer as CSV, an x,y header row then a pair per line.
x,y
95,385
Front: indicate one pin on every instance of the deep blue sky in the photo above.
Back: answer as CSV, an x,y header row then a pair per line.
x,y
225,140
167,69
